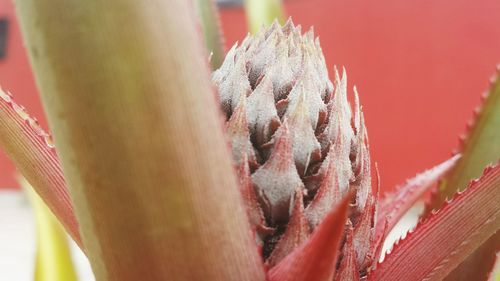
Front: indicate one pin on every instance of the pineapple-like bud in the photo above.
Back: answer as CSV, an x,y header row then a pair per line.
x,y
298,145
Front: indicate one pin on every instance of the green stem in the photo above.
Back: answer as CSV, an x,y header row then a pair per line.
x,y
210,23
142,151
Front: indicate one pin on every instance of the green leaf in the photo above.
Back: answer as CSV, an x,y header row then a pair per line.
x,y
210,23
481,146
53,257
263,12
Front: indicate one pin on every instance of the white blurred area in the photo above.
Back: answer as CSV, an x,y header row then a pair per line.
x,y
17,241
407,222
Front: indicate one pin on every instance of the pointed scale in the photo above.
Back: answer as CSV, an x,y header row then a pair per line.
x,y
262,55
281,71
263,119
378,245
254,212
349,270
321,68
219,75
295,52
447,237
237,130
288,27
339,124
363,178
396,204
253,45
277,179
357,112
306,148
379,237
359,140
343,109
308,85
296,233
235,84
328,194
364,234
32,151
316,259
361,166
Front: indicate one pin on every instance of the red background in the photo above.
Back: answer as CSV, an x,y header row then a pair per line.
x,y
419,65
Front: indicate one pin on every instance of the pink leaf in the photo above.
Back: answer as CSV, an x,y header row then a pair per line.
x,y
316,259
250,200
237,130
32,151
263,119
395,205
349,270
328,194
297,231
363,237
478,265
437,245
277,179
306,148
479,146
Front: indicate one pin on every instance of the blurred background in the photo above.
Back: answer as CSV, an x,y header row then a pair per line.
x,y
420,68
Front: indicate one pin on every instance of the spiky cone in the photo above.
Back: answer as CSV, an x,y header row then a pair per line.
x,y
298,146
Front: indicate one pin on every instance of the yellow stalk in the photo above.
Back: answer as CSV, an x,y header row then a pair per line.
x,y
53,257
495,273
263,13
